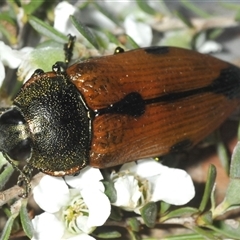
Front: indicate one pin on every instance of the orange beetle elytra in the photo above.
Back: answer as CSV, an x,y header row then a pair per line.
x,y
114,109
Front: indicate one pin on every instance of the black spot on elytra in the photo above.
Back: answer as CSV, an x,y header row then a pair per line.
x,y
157,50
181,146
228,83
132,104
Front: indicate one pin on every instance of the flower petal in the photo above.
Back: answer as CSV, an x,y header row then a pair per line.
x,y
8,56
140,32
47,226
98,205
128,192
51,194
173,186
61,21
82,223
12,58
2,73
144,168
89,176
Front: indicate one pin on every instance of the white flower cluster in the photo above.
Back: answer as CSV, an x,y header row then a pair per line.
x,y
11,58
79,210
25,59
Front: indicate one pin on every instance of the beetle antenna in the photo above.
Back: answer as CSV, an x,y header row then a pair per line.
x,y
24,177
60,66
68,49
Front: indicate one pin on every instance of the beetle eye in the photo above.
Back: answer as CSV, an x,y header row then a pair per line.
x,y
11,116
22,151
14,135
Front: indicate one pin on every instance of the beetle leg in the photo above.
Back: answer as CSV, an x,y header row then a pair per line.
x,y
37,72
24,180
24,177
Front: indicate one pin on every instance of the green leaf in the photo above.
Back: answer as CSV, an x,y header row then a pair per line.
x,y
131,42
110,190
214,33
149,214
4,17
84,4
230,5
145,7
84,31
206,234
101,39
164,8
211,178
32,6
185,211
195,9
17,2
25,220
223,154
109,235
235,163
134,235
106,13
6,171
205,219
134,224
232,197
47,30
112,38
178,38
164,207
237,16
238,131
44,58
230,228
116,214
7,210
8,227
184,19
192,236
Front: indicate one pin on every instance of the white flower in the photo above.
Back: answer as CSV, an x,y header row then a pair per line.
x,y
48,226
140,32
61,21
147,180
11,58
70,212
205,45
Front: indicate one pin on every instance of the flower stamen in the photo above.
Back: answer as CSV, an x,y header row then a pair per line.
x,y
76,208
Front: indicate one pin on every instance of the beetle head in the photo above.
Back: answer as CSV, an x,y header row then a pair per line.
x,y
14,137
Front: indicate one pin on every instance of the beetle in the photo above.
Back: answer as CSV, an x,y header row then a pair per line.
x,y
110,110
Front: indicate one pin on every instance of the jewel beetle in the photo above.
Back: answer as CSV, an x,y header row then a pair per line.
x,y
109,110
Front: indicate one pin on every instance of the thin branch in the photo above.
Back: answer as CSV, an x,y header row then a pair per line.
x,y
17,191
169,23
